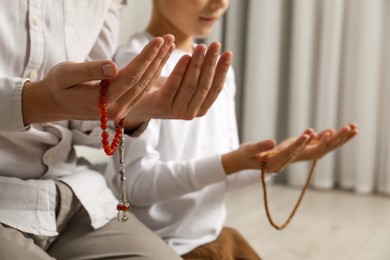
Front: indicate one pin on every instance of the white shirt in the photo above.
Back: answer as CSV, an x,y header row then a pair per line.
x,y
176,181
35,36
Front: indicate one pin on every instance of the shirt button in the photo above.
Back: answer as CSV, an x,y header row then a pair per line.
x,y
36,21
33,75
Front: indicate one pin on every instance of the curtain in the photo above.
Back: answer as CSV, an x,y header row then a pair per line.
x,y
309,63
320,64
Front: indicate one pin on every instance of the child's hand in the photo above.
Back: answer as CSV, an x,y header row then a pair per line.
x,y
288,151
327,141
246,156
313,148
250,155
189,91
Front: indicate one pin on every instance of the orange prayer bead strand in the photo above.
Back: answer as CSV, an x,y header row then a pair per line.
x,y
265,194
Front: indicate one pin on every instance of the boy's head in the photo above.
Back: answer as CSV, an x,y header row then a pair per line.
x,y
191,18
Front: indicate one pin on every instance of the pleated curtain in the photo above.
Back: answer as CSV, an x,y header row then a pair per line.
x,y
320,64
310,63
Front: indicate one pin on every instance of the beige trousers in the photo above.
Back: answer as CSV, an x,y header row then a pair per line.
x,y
78,240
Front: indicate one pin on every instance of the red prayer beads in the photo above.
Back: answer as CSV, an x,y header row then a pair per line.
x,y
123,207
108,149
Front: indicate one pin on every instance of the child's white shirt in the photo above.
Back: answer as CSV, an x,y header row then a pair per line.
x,y
176,182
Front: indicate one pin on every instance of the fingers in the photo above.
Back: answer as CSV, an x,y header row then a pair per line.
x,y
327,141
175,79
260,147
342,136
296,148
134,80
316,148
136,68
68,74
206,76
323,138
194,83
322,143
287,154
309,146
222,68
155,76
190,80
354,130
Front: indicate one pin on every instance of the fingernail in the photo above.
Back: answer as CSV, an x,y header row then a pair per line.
x,y
186,59
169,41
160,43
229,58
217,48
108,70
200,49
271,143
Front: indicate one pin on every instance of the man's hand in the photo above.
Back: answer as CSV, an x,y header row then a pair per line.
x,y
71,90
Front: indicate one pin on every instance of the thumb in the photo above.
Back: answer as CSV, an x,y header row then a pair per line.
x,y
262,146
72,73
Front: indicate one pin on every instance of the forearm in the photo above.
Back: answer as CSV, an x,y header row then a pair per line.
x,y
38,106
232,162
152,180
23,104
246,157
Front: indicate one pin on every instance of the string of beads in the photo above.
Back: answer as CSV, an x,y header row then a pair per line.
x,y
108,149
123,205
265,194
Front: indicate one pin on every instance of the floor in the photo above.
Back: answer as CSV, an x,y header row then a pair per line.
x,y
334,225
328,225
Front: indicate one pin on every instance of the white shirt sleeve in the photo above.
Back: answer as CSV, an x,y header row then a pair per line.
x,y
107,42
43,34
11,118
150,179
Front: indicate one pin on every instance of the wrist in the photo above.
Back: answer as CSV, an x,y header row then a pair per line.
x,y
36,105
135,129
231,162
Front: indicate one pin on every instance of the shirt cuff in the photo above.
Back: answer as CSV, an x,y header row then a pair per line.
x,y
11,118
137,131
